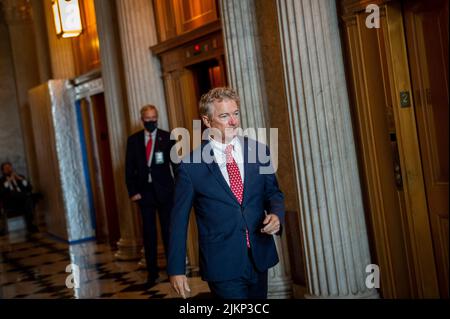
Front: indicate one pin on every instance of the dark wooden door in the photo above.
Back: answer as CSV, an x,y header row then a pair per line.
x,y
105,169
426,24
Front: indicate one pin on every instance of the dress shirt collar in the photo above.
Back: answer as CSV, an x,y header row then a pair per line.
x,y
147,134
219,148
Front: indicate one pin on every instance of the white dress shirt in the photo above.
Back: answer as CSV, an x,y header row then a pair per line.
x,y
11,183
147,137
221,158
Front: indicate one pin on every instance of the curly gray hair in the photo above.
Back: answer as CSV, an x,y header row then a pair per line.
x,y
217,94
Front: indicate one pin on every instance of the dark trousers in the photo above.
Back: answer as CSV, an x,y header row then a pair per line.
x,y
148,213
251,285
21,203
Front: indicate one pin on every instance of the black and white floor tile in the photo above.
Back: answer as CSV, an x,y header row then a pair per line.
x,y
36,268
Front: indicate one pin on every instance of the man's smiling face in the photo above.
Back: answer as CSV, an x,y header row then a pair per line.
x,y
225,119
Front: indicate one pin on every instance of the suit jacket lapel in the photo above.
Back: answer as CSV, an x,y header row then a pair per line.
x,y
248,169
157,145
158,141
215,170
142,147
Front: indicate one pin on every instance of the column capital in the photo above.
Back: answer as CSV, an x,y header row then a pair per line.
x,y
16,11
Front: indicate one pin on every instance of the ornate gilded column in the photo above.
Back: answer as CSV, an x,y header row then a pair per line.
x,y
129,245
143,78
332,213
245,73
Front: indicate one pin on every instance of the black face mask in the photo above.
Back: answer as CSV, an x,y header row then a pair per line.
x,y
151,125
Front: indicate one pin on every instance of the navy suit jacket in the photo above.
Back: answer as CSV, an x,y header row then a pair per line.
x,y
137,170
221,220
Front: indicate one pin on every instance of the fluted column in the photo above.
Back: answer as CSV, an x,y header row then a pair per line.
x,y
246,76
129,245
332,214
279,281
243,60
143,77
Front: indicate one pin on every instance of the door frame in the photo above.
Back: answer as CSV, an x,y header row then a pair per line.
x,y
410,157
414,228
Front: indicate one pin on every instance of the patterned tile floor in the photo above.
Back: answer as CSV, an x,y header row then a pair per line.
x,y
36,268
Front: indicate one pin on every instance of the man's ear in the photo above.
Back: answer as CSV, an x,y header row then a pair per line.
x,y
206,121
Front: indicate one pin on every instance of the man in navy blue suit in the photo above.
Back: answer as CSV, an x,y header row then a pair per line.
x,y
149,178
238,206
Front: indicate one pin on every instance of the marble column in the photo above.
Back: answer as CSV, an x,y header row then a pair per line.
x,y
142,70
129,245
243,60
18,16
279,281
143,78
245,72
332,213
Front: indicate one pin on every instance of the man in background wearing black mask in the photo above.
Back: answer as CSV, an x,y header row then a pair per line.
x,y
150,183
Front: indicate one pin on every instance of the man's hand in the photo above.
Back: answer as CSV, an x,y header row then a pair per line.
x,y
180,284
16,177
10,180
136,197
272,223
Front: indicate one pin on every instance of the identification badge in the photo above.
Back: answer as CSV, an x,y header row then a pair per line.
x,y
159,158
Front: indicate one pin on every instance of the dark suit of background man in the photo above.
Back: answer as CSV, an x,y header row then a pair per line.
x,y
15,194
150,183
231,196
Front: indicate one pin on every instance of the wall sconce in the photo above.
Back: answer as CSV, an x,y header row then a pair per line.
x,y
67,16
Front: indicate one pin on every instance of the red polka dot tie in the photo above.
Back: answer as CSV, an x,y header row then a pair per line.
x,y
235,178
